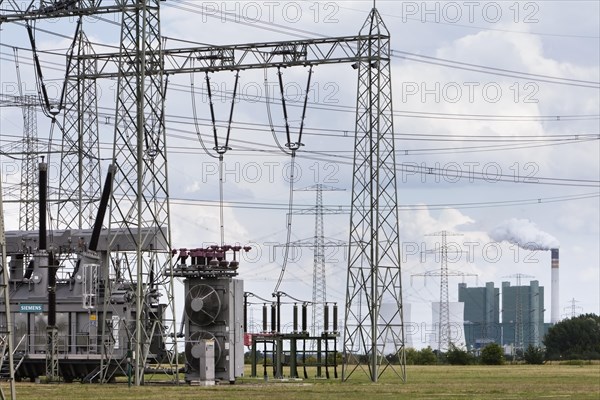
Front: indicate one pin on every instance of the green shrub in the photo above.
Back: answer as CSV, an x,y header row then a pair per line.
x,y
534,355
424,356
412,356
427,357
492,354
456,356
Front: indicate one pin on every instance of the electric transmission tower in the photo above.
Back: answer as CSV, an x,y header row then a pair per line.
x,y
519,329
28,219
139,206
28,216
6,334
374,246
80,175
573,310
319,285
444,335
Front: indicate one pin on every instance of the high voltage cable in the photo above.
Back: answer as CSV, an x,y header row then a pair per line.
x,y
465,66
438,115
503,70
400,136
406,55
475,26
430,151
423,114
512,143
417,114
523,144
437,171
398,113
489,70
402,207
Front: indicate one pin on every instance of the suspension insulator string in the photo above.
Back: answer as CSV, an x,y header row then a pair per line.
x,y
293,147
220,150
221,216
195,118
285,115
299,142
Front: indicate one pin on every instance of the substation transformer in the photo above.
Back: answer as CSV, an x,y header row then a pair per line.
x,y
214,311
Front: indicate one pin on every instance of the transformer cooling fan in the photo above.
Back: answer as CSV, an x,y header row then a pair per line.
x,y
202,305
193,348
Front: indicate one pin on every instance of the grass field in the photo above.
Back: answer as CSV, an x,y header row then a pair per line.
x,y
424,382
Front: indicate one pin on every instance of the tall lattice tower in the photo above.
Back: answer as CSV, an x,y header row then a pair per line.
x,y
444,311
519,344
28,215
319,244
445,334
444,322
79,188
573,310
319,295
374,277
140,207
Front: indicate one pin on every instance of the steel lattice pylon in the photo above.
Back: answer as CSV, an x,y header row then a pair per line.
x,y
28,218
519,331
444,322
319,286
319,295
374,247
80,175
6,336
444,335
139,206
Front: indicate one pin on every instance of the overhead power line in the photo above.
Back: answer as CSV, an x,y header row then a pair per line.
x,y
402,207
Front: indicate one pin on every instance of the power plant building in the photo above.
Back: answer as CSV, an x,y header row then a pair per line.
x,y
481,314
522,312
522,315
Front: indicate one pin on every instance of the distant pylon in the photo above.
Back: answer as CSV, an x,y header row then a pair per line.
x,y
319,285
519,330
444,328
573,310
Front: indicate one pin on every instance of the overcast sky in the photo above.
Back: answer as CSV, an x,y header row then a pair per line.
x,y
479,89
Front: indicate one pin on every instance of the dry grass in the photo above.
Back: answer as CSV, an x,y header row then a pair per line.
x,y
424,382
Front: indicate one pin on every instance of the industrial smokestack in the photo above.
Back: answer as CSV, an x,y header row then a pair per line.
x,y
554,301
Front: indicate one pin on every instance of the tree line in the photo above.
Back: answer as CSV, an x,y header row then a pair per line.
x,y
576,338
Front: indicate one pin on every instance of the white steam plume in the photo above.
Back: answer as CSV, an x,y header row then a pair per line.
x,y
524,234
